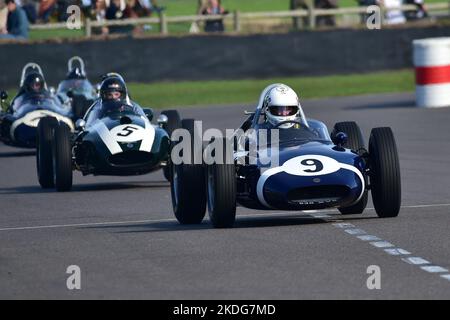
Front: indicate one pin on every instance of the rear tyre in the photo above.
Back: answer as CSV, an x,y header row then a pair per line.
x,y
355,139
44,159
187,185
221,190
62,158
173,124
355,142
384,173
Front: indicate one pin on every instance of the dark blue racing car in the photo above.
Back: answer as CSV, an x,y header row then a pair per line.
x,y
19,119
280,160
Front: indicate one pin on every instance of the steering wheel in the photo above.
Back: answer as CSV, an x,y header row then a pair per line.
x,y
290,121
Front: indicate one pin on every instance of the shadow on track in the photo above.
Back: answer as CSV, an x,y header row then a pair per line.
x,y
15,154
241,223
386,105
88,187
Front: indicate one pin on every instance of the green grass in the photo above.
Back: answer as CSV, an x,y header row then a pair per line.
x,y
203,93
55,33
178,94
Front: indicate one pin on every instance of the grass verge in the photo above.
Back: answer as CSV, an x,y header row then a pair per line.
x,y
203,93
192,93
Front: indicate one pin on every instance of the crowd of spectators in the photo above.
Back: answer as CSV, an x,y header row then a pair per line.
x,y
392,16
16,15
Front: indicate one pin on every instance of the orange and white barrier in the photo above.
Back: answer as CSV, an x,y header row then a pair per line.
x,y
432,63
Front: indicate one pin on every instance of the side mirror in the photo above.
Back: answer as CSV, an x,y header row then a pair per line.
x,y
340,139
69,94
149,113
52,90
162,120
80,124
3,96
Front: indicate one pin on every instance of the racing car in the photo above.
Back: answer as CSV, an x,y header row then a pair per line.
x,y
116,137
76,88
314,169
19,119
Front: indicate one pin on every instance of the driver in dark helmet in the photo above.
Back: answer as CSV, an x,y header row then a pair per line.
x,y
34,83
114,96
113,89
75,74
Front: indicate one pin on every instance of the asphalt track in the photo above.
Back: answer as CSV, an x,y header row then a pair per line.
x,y
122,234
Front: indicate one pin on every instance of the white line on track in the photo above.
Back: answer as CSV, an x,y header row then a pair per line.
x,y
320,214
349,228
389,248
88,224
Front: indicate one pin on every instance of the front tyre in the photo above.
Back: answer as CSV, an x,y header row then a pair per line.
x,y
44,159
187,185
384,173
221,190
62,158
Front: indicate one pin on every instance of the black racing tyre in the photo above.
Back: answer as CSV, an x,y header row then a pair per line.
x,y
355,139
44,159
221,190
187,186
355,142
62,158
385,178
173,124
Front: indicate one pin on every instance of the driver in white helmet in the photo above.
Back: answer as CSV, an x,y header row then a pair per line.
x,y
282,104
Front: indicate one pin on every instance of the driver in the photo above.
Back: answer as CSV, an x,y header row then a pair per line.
x,y
34,83
114,96
282,104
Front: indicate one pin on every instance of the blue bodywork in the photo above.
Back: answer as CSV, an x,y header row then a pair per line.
x,y
311,173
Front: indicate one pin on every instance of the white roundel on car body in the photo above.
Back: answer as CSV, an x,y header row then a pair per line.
x,y
311,165
128,133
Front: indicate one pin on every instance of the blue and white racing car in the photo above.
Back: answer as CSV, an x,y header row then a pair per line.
x,y
312,169
34,101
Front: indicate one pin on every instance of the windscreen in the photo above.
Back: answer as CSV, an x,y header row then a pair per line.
x,y
78,87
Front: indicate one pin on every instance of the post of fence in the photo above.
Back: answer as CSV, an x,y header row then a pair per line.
x,y
237,21
311,15
163,23
87,28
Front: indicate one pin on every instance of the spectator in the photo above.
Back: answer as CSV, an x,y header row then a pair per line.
x,y
420,12
46,9
394,16
16,24
116,10
366,3
326,4
214,7
30,9
298,5
3,16
100,14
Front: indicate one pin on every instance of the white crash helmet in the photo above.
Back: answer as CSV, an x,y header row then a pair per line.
x,y
281,103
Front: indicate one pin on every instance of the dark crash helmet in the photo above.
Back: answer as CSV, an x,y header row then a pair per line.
x,y
75,74
34,83
113,89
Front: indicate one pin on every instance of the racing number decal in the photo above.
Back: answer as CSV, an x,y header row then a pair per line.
x,y
318,166
128,130
311,165
128,133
